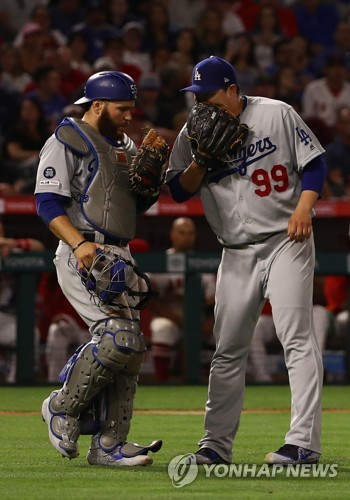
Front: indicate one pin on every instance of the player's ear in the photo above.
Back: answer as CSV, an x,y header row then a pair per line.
x,y
233,89
97,106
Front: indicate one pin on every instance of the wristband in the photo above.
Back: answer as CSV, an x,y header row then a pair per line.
x,y
208,162
78,245
23,243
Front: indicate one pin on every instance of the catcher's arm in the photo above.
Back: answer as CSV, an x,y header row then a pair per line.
x,y
84,251
146,173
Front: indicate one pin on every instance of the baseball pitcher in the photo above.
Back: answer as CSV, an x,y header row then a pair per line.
x,y
259,170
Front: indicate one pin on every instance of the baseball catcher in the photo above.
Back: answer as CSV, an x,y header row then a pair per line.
x,y
215,134
91,184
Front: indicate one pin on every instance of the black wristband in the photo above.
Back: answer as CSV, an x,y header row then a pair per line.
x,y
208,162
78,245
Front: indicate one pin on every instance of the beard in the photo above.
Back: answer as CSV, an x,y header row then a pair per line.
x,y
107,127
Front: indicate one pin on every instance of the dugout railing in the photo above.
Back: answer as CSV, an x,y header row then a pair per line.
x,y
27,266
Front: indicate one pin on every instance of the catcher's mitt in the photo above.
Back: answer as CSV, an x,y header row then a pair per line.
x,y
146,170
215,134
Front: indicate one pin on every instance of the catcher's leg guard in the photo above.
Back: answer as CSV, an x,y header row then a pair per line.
x,y
92,370
109,446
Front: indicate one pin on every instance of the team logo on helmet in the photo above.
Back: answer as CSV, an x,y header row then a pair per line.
x,y
197,75
133,89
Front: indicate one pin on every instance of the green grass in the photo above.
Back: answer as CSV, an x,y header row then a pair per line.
x,y
31,469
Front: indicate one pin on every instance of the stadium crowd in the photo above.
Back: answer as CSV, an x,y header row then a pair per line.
x,y
297,51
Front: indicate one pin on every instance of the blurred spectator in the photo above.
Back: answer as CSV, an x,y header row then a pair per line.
x,y
184,53
8,108
78,44
95,27
146,111
240,53
113,58
232,23
30,46
72,80
265,86
133,35
167,309
336,289
170,101
15,14
160,58
338,156
8,319
287,88
50,37
12,77
119,13
158,27
185,14
282,54
249,11
210,33
22,144
266,34
47,91
340,49
148,91
59,323
300,61
343,8
65,14
322,97
317,22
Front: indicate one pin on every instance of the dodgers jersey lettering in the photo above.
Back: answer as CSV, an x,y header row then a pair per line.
x,y
63,172
255,195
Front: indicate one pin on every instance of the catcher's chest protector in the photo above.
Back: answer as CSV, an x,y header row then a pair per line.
x,y
108,203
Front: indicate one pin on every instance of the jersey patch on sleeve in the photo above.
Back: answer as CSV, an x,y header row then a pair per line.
x,y
49,183
49,172
305,138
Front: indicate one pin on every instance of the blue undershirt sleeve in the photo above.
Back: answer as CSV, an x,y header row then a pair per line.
x,y
50,205
314,175
178,193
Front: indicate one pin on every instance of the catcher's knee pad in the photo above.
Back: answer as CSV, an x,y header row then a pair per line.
x,y
165,331
121,339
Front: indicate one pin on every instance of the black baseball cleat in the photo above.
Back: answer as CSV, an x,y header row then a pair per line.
x,y
207,456
290,454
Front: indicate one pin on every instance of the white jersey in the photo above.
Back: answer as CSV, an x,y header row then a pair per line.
x,y
255,195
63,172
320,102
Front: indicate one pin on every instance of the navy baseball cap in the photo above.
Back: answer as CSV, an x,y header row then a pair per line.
x,y
210,75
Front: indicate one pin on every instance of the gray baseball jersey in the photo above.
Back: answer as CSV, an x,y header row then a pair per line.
x,y
256,194
248,204
60,171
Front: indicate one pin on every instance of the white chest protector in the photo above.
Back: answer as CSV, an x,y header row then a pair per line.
x,y
108,203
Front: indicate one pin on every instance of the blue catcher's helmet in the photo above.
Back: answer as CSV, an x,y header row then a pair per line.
x,y
109,86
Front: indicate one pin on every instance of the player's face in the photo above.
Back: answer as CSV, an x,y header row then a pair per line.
x,y
183,237
227,98
114,118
